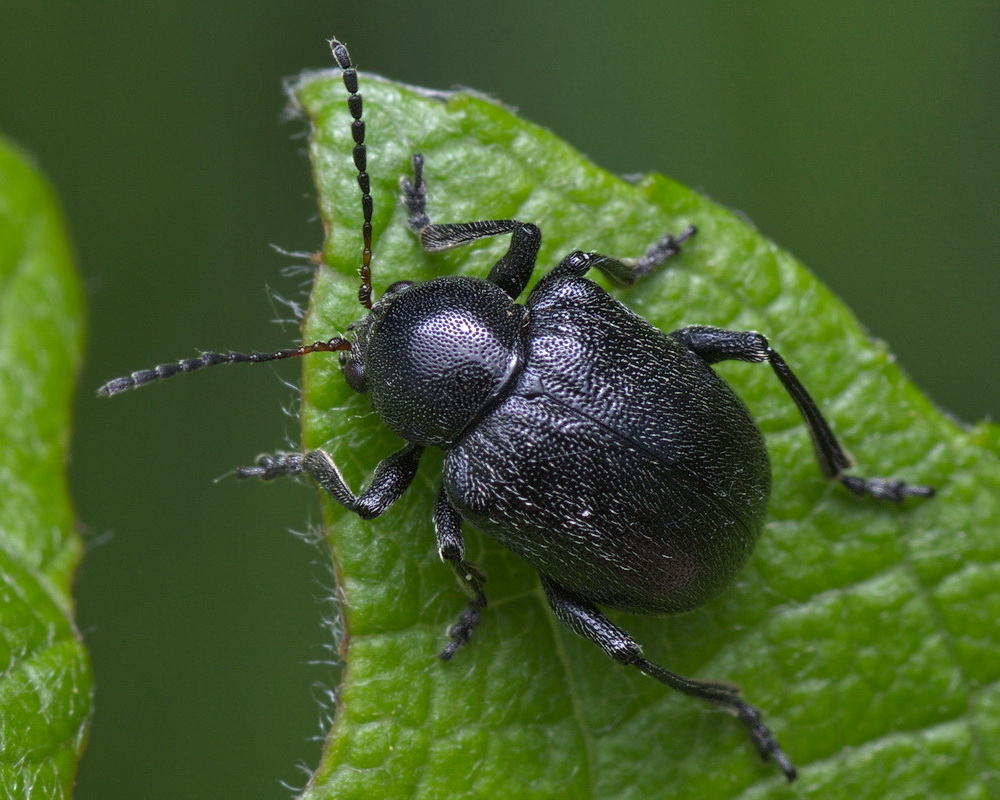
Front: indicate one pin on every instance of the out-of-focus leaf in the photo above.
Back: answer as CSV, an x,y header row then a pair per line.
x,y
45,686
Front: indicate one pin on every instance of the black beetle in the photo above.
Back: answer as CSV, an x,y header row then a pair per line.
x,y
605,452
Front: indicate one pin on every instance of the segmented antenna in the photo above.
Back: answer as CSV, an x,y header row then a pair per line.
x,y
350,76
142,377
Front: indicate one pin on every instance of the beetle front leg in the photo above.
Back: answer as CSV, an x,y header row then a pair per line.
x,y
391,478
716,344
510,273
584,619
451,548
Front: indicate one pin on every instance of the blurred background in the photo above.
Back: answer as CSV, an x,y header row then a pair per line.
x,y
862,137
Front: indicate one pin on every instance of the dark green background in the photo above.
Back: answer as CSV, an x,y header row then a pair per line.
x,y
862,137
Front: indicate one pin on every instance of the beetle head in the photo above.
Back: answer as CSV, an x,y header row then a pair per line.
x,y
432,355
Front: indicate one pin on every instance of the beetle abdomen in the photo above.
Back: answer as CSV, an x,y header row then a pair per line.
x,y
620,465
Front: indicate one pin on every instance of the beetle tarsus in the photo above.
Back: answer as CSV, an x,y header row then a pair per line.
x,y
658,252
891,489
268,468
767,745
461,631
415,196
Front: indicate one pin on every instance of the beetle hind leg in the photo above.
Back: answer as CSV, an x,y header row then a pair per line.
x,y
584,619
717,344
451,548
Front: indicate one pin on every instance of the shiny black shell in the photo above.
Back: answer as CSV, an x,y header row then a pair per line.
x,y
616,462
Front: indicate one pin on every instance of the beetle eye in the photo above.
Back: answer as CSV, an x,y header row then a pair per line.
x,y
398,286
354,374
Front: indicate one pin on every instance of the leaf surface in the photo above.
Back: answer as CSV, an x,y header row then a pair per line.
x,y
45,686
866,633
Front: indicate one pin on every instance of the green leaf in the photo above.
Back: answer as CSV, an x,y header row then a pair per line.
x,y
865,632
45,688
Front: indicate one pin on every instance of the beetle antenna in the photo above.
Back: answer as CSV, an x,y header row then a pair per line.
x,y
350,76
142,377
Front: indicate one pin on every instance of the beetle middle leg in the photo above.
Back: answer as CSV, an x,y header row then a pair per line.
x,y
584,619
716,344
451,548
624,271
510,273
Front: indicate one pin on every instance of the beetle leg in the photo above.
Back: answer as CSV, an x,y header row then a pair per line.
x,y
451,548
510,273
624,271
391,478
716,344
584,619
